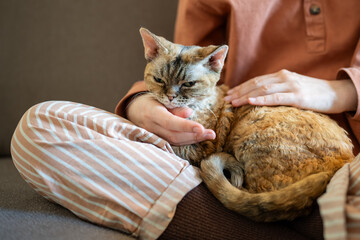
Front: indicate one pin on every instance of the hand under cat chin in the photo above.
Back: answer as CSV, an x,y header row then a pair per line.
x,y
170,106
167,104
173,106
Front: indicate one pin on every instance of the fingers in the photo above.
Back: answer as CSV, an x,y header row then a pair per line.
x,y
274,99
172,126
185,138
181,112
167,120
177,133
180,131
253,84
265,89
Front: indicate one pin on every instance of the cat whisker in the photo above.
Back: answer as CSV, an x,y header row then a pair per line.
x,y
213,114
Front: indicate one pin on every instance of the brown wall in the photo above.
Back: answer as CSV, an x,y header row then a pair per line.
x,y
87,51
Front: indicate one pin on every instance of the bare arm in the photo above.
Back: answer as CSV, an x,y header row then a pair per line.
x,y
292,89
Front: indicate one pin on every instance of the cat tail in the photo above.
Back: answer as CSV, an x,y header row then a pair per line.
x,y
285,204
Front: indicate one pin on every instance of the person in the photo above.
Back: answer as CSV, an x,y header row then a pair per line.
x,y
295,62
120,174
280,53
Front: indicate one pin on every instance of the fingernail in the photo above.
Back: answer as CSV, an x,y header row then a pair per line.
x,y
210,135
252,100
227,98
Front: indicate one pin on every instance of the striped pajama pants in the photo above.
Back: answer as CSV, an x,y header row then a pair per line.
x,y
101,167
108,171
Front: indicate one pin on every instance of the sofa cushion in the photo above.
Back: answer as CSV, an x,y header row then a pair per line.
x,y
24,214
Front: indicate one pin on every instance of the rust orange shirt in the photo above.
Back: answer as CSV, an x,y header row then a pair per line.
x,y
316,38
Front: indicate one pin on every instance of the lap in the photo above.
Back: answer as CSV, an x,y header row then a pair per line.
x,y
110,172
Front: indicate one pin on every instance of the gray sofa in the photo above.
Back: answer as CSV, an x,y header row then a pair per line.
x,y
86,51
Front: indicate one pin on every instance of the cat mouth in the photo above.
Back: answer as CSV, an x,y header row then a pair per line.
x,y
171,106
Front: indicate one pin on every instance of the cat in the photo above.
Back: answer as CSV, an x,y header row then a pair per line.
x,y
280,158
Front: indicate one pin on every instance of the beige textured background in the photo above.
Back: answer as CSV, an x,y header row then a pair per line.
x,y
87,51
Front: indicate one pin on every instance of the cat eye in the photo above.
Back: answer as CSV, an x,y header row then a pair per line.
x,y
188,84
159,80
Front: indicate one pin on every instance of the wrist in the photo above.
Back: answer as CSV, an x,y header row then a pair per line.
x,y
347,95
132,100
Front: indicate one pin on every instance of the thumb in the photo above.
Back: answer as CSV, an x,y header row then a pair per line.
x,y
182,112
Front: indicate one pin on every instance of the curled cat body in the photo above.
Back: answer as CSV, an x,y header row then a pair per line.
x,y
280,158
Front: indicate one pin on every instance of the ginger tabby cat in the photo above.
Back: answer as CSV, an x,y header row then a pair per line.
x,y
280,158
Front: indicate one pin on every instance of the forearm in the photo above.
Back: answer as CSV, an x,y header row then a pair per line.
x,y
353,75
292,89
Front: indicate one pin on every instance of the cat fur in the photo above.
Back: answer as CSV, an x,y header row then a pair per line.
x,y
280,158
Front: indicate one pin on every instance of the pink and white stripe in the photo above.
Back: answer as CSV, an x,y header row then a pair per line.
x,y
101,167
340,205
108,171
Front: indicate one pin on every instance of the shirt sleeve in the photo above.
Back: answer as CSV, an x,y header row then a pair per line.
x,y
353,73
134,90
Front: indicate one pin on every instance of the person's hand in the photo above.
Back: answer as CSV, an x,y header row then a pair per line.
x,y
292,89
146,112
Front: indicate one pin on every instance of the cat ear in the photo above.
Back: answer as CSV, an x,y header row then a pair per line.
x,y
151,43
216,60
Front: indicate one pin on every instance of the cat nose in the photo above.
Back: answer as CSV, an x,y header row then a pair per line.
x,y
171,97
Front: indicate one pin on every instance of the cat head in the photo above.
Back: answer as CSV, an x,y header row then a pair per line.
x,y
178,75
